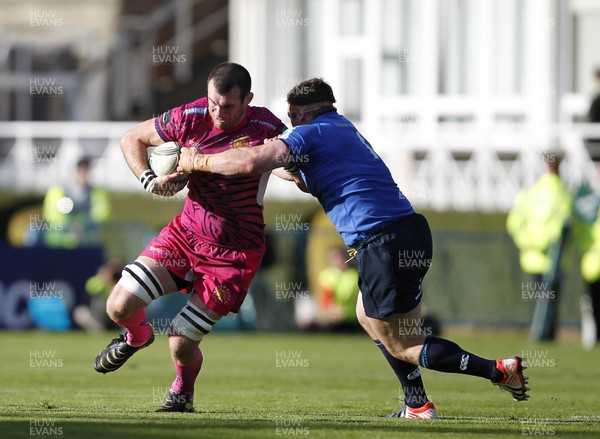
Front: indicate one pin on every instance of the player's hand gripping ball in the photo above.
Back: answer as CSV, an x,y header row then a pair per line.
x,y
163,159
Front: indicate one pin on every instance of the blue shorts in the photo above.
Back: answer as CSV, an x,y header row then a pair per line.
x,y
391,265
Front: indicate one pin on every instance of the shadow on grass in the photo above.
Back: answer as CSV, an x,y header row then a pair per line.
x,y
199,425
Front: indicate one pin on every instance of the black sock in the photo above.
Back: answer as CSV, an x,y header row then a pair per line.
x,y
446,356
409,376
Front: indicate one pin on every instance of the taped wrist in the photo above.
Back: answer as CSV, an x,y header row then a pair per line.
x,y
148,180
201,162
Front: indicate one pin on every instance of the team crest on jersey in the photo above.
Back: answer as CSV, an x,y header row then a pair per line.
x,y
241,142
221,293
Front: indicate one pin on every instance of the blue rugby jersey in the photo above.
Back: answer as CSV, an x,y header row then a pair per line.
x,y
341,169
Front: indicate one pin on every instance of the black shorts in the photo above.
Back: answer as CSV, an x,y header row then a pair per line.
x,y
392,264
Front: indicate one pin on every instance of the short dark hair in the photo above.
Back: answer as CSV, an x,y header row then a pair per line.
x,y
84,162
310,91
228,75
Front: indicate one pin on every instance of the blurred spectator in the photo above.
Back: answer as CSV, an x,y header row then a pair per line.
x,y
594,113
586,227
538,223
338,292
590,303
593,144
74,212
93,317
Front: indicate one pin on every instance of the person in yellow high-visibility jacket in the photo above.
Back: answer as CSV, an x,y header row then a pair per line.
x,y
338,291
73,212
536,220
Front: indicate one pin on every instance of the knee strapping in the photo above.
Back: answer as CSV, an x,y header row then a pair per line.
x,y
192,322
139,280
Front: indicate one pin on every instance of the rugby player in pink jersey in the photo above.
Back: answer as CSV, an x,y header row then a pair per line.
x,y
213,248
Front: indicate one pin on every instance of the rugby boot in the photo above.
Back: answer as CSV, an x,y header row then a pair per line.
x,y
117,353
426,411
177,402
513,381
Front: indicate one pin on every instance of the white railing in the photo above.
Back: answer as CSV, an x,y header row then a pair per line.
x,y
460,169
36,155
445,169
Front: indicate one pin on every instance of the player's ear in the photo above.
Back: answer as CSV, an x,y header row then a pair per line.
x,y
303,116
248,98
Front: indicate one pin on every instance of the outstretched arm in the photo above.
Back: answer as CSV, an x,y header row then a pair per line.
x,y
242,161
237,161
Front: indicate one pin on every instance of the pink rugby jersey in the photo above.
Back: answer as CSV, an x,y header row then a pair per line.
x,y
226,211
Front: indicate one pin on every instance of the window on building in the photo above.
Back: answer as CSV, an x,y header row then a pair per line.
x,y
507,37
353,88
454,46
351,17
401,53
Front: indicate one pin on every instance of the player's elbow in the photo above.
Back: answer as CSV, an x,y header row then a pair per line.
x,y
128,140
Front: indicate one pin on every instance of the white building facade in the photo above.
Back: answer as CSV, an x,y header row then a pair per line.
x,y
460,97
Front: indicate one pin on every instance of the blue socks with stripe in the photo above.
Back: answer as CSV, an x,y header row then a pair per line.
x,y
446,356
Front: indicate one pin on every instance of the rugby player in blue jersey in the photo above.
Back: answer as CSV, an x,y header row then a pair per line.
x,y
326,155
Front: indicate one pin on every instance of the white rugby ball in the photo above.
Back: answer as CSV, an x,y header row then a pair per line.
x,y
163,159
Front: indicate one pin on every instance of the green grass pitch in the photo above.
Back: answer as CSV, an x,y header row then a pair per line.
x,y
285,385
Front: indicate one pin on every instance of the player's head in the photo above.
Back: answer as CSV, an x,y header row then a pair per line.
x,y
82,170
553,160
308,99
228,94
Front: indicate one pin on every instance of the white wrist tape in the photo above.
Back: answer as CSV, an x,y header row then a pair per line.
x,y
148,179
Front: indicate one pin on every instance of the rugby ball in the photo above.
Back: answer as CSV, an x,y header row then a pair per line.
x,y
163,159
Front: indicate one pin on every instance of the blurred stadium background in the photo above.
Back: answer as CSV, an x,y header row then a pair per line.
x,y
460,97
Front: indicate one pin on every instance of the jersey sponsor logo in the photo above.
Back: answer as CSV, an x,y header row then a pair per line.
x,y
195,110
241,142
262,122
221,294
